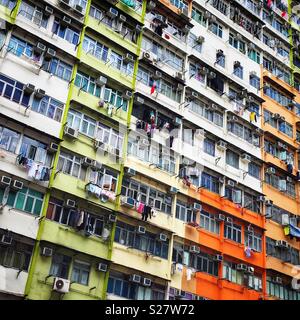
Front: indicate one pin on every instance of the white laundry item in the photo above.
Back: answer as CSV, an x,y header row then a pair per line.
x,y
154,213
179,267
189,273
32,170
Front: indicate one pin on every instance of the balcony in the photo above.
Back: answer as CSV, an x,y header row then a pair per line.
x,y
109,33
155,266
107,69
13,281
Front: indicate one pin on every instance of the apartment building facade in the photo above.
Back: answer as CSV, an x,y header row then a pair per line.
x,y
149,150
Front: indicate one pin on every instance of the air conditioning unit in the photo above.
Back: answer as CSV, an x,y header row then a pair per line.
x,y
100,145
203,70
282,244
177,122
242,267
179,76
285,219
70,132
78,9
194,249
130,172
277,280
87,162
271,170
212,19
230,183
268,203
163,237
48,10
174,190
197,206
6,180
39,93
233,119
221,145
250,99
229,220
66,20
149,56
157,75
289,179
151,5
69,203
184,12
253,73
200,133
282,185
218,257
65,3
135,278
102,267
220,217
61,285
200,39
141,230
237,64
138,29
101,81
128,58
47,252
29,88
128,202
250,270
211,75
260,199
246,157
40,47
221,180
112,218
220,52
17,185
144,143
53,147
51,53
250,229
112,13
276,116
147,282
127,95
7,240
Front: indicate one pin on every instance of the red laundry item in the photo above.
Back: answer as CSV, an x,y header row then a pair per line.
x,y
141,208
153,88
284,14
269,3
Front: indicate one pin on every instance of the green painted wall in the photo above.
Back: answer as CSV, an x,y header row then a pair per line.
x,y
60,237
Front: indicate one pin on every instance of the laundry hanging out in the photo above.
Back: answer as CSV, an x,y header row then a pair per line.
x,y
34,170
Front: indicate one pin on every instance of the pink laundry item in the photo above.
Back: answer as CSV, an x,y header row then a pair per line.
x,y
140,208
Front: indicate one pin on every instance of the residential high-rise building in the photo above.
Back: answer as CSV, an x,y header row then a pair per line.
x,y
149,149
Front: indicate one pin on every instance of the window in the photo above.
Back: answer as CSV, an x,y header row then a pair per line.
x,y
238,44
233,232
217,29
221,6
210,182
104,178
232,159
238,71
93,47
194,72
60,266
254,241
192,41
49,107
121,287
277,96
34,14
254,170
22,48
209,146
16,256
204,263
281,291
87,84
231,274
254,81
65,32
184,212
8,3
159,200
35,150
71,165
80,273
244,132
208,222
254,55
220,59
9,139
126,235
29,200
109,136
255,283
117,61
13,90
81,122
58,68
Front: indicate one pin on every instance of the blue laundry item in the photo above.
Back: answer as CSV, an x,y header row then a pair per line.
x,y
294,231
129,3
